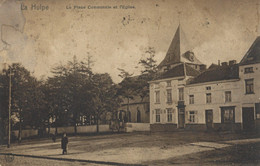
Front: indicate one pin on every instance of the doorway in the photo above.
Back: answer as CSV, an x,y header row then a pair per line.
x,y
248,118
181,118
209,119
138,116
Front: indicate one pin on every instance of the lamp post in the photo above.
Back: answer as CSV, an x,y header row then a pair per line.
x,y
9,108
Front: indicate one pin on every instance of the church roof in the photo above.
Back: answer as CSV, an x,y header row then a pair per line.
x,y
178,71
179,51
253,54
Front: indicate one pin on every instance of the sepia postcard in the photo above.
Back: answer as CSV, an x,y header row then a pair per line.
x,y
129,82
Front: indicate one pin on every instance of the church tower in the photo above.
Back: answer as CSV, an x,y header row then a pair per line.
x,y
180,52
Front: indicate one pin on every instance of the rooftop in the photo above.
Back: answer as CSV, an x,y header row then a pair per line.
x,y
178,71
217,73
253,54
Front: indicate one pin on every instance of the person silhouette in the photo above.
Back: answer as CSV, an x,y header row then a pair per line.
x,y
64,143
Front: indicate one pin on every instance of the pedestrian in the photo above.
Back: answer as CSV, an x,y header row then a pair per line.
x,y
64,143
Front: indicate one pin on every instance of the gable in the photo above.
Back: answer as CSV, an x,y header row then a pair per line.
x,y
253,54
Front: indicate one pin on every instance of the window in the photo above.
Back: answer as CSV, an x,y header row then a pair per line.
x,y
168,83
138,116
208,88
157,115
157,96
169,114
208,98
249,86
228,115
228,96
191,99
181,94
249,70
129,116
169,96
192,115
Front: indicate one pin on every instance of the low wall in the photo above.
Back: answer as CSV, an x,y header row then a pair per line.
x,y
25,133
227,127
131,127
163,127
196,127
80,129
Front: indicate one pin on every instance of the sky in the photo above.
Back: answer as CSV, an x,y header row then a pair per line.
x,y
51,32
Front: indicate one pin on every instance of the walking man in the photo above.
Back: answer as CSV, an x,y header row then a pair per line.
x,y
64,143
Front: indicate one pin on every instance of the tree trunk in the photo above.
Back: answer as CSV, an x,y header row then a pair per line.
x,y
75,123
56,130
97,125
75,129
20,130
49,126
127,109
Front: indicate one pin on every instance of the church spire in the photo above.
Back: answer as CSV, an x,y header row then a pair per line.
x,y
179,50
173,53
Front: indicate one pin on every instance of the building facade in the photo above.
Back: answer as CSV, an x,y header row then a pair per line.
x,y
223,97
136,111
167,89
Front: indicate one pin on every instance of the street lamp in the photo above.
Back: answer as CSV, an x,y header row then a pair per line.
x,y
9,108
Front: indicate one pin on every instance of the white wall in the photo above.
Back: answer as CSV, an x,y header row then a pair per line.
x,y
26,133
255,97
131,127
217,99
80,129
163,105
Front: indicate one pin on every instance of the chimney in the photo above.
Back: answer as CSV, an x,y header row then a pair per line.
x,y
232,62
219,62
224,64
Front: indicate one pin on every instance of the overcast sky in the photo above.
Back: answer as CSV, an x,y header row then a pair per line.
x,y
117,38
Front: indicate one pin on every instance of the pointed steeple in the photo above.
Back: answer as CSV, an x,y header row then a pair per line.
x,y
253,54
179,50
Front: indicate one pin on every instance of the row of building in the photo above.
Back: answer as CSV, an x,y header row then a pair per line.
x,y
186,94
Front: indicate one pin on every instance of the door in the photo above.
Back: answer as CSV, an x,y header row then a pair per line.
x,y
248,118
209,119
181,118
138,116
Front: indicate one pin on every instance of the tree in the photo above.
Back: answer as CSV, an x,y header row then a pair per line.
x,y
27,99
71,88
127,87
104,96
148,63
148,72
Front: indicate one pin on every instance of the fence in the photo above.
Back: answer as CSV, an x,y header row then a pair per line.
x,y
25,133
70,130
129,127
80,129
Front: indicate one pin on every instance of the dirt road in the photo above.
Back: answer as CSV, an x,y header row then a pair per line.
x,y
133,148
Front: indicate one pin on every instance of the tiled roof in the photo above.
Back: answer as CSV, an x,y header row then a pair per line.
x,y
217,73
253,54
178,71
213,66
191,71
